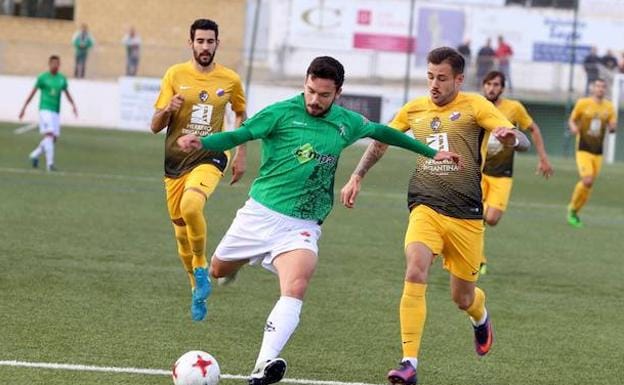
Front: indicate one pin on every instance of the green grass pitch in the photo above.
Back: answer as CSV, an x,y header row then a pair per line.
x,y
89,275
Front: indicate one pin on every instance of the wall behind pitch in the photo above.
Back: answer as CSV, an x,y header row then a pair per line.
x,y
26,43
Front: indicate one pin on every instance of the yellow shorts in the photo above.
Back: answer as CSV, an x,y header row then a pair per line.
x,y
588,164
204,177
460,241
496,191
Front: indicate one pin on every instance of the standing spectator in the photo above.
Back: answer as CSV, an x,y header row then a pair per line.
x,y
503,55
485,61
132,42
609,61
464,50
621,64
82,42
591,63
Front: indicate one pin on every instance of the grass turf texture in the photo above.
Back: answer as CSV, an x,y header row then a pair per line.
x,y
89,275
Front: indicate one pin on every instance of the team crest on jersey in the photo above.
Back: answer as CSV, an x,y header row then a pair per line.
x,y
436,124
454,116
341,129
203,96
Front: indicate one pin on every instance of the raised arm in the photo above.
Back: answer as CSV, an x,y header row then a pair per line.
x,y
162,116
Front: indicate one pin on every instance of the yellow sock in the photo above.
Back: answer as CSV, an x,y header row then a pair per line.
x,y
580,196
192,208
184,251
476,311
413,312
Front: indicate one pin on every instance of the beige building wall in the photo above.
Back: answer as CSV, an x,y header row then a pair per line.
x,y
26,43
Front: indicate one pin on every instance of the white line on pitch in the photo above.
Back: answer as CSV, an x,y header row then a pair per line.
x,y
24,129
153,372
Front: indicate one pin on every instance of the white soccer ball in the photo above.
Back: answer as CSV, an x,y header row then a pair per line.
x,y
196,368
494,146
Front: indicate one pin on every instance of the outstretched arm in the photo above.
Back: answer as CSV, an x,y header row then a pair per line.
x,y
220,141
28,99
385,136
393,137
511,137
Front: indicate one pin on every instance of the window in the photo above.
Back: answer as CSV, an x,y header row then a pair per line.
x,y
561,4
49,9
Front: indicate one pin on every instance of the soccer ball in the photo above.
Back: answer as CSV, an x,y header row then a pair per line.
x,y
494,146
196,368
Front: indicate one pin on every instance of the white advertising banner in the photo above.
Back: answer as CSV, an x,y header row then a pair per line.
x,y
543,36
136,101
365,24
319,24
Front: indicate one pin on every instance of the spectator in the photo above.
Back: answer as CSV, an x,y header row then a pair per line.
x,y
132,42
609,61
591,63
621,65
82,42
503,55
485,61
464,50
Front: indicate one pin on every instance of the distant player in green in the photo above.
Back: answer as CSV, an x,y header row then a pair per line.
x,y
280,224
51,83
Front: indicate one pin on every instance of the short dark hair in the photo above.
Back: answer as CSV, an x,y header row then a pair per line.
x,y
599,80
493,75
54,57
449,55
326,67
204,24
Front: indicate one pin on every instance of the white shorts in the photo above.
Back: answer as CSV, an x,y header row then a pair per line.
x,y
261,234
49,123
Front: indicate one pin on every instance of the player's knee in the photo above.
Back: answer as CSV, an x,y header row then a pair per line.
x,y
588,181
416,274
463,300
296,288
192,204
216,270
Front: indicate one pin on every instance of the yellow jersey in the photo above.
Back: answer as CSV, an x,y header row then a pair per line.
x,y
592,119
461,126
206,96
499,160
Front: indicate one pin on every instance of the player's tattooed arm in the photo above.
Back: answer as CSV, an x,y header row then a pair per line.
x,y
373,153
350,191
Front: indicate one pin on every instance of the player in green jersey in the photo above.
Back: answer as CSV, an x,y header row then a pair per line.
x,y
280,224
51,83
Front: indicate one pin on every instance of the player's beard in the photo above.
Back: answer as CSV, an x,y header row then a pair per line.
x,y
318,112
204,63
493,99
